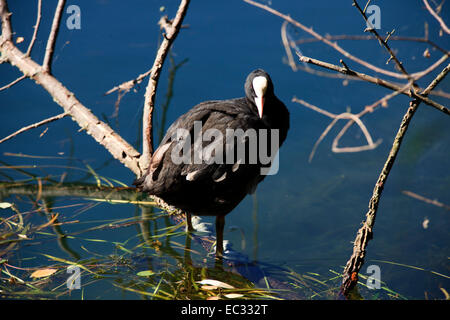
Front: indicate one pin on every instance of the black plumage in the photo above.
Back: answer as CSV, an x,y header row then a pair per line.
x,y
216,187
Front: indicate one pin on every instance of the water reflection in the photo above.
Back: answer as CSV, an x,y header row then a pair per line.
x,y
175,268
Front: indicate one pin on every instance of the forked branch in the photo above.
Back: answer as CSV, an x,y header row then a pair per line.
x,y
364,234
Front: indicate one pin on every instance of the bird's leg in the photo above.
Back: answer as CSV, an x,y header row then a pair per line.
x,y
189,222
187,250
220,224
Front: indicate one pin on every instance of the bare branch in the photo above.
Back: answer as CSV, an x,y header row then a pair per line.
x,y
378,81
9,85
36,27
287,46
334,45
367,109
171,29
346,115
422,198
47,64
382,41
128,85
435,15
35,125
364,234
100,131
5,15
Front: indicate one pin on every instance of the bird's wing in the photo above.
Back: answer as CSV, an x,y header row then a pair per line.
x,y
210,114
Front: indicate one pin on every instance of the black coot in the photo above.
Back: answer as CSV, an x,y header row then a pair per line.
x,y
215,154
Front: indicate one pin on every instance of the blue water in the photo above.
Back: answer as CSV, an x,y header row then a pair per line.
x,y
308,214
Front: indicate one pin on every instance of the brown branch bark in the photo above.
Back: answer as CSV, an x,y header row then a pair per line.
x,y
171,29
100,131
47,64
364,234
36,27
9,85
6,22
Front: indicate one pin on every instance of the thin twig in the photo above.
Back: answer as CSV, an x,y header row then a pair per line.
x,y
435,15
378,81
47,64
128,85
171,29
367,109
36,27
9,85
382,41
287,47
422,198
334,45
364,234
35,125
346,115
371,37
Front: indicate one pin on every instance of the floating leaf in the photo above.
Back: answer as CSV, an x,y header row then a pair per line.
x,y
5,205
425,223
209,287
216,283
146,273
233,295
43,273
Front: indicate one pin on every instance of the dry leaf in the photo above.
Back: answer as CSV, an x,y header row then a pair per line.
x,y
233,295
43,273
213,298
5,205
425,223
209,287
216,283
